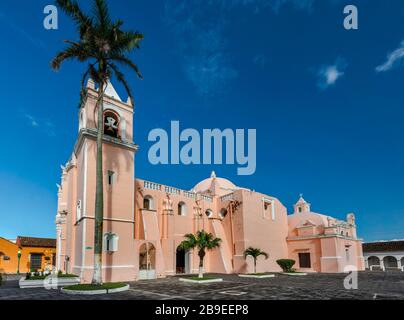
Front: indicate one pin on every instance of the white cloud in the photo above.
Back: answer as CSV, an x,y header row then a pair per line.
x,y
42,125
328,75
32,120
392,59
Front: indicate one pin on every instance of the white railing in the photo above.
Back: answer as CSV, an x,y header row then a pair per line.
x,y
189,194
152,185
227,197
206,198
172,190
377,266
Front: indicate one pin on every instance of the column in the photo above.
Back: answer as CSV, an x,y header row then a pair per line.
x,y
59,247
382,263
399,262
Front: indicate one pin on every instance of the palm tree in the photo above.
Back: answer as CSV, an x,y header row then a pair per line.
x,y
202,241
255,253
103,45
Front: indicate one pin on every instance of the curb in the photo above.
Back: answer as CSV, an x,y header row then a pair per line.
x,y
256,276
201,281
297,274
94,292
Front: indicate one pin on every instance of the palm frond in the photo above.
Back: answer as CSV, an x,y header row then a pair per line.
x,y
127,62
72,9
101,14
71,52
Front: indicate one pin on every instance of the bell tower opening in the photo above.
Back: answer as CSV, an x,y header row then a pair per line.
x,y
111,124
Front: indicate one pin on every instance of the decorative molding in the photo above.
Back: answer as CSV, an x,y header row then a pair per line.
x,y
92,134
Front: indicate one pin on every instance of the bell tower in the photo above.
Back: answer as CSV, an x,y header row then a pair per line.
x,y
119,190
301,205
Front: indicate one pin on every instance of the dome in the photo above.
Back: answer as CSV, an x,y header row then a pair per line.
x,y
215,186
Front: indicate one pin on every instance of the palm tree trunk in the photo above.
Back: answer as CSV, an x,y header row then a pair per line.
x,y
99,193
255,265
201,255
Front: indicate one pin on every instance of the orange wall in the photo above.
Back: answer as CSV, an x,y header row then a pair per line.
x,y
10,249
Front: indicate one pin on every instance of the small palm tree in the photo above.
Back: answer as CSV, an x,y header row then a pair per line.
x,y
255,253
202,241
103,45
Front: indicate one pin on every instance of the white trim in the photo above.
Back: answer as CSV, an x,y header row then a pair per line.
x,y
105,267
84,212
109,219
107,105
59,239
335,257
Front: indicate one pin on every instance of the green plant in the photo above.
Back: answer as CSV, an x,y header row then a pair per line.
x,y
255,253
203,241
286,264
28,276
104,45
90,287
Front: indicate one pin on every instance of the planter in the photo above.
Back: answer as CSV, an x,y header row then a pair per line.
x,y
257,276
95,292
296,274
201,281
25,284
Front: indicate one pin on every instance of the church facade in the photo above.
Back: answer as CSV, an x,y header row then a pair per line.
x,y
144,221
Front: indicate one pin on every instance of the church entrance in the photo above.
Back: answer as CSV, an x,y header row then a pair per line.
x,y
147,261
182,261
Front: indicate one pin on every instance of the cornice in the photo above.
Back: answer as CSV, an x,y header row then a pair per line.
x,y
92,134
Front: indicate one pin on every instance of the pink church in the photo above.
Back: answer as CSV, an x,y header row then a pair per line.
x,y
144,222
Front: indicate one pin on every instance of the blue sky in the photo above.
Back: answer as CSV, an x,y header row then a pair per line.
x,y
327,103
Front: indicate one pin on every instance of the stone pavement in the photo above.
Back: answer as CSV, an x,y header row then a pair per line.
x,y
372,286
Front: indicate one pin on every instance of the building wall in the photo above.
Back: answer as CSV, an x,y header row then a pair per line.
x,y
259,220
10,249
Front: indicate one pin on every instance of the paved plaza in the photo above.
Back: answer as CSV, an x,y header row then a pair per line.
x,y
372,286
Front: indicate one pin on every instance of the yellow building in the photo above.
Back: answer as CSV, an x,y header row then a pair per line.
x,y
37,254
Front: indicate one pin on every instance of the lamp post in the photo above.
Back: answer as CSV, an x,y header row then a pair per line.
x,y
19,257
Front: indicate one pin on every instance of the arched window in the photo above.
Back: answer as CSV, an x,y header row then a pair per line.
x,y
110,242
111,124
148,203
223,213
209,213
182,209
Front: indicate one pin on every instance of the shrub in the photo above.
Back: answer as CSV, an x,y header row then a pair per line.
x,y
27,275
286,264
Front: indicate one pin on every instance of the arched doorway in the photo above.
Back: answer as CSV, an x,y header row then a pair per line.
x,y
147,261
373,261
182,264
390,262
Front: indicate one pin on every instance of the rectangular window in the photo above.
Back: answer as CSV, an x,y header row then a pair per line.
x,y
304,260
35,261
